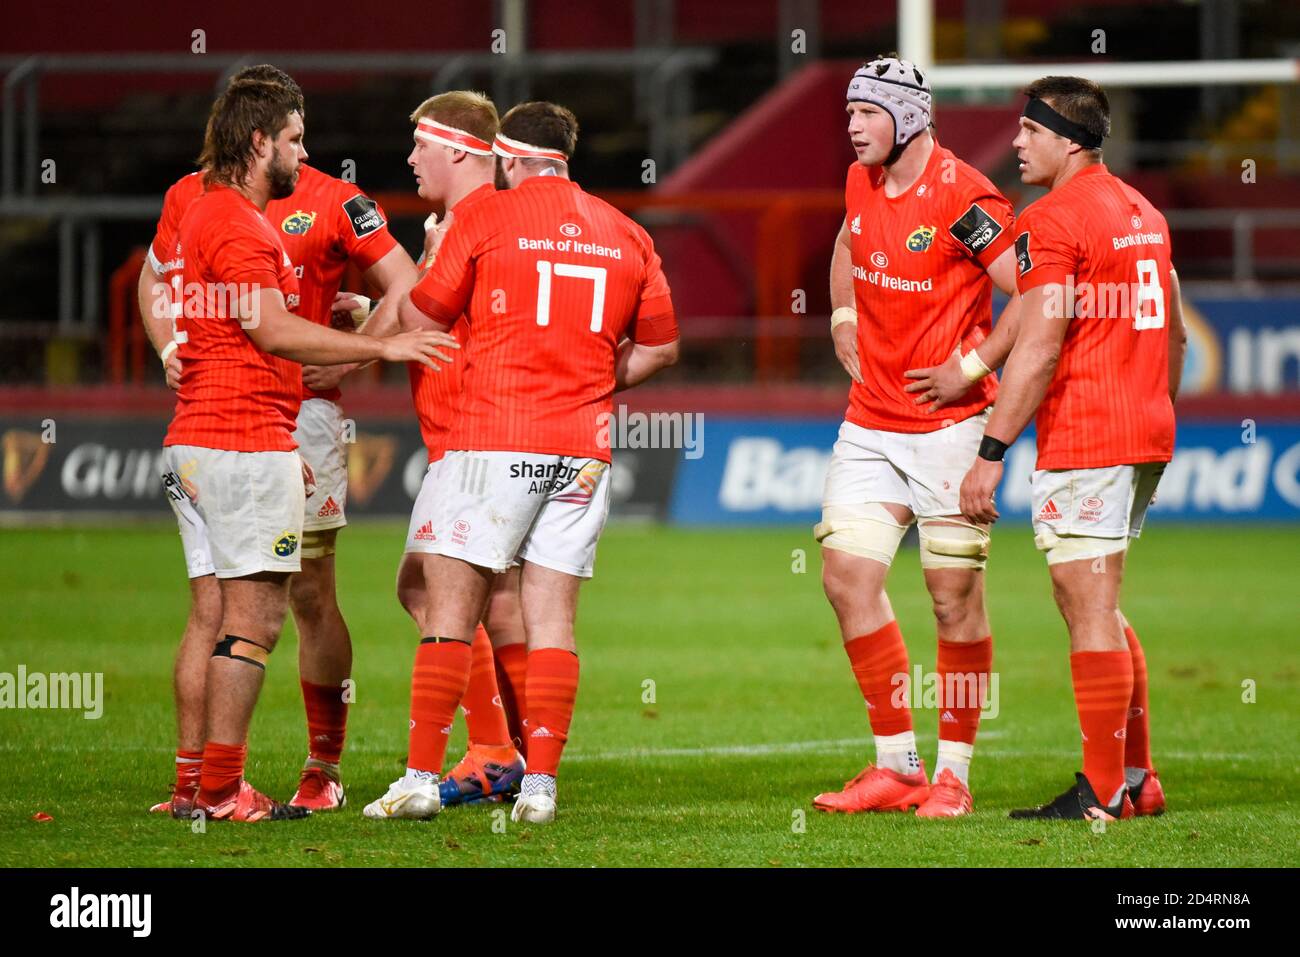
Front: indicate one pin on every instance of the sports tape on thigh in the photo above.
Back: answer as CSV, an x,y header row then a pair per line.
x,y
1074,548
869,531
952,543
318,543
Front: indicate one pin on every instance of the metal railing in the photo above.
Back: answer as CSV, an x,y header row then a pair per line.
x,y
1243,224
1219,156
664,102
664,76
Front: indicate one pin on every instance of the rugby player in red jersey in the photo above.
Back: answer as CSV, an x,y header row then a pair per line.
x,y
566,303
1099,359
925,238
453,164
323,225
233,475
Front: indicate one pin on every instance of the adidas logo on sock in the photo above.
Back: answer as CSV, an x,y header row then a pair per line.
x,y
425,533
1049,512
542,732
947,718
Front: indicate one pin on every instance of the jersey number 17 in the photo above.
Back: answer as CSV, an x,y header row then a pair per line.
x,y
597,274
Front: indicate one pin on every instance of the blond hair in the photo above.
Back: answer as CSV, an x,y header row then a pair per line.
x,y
464,109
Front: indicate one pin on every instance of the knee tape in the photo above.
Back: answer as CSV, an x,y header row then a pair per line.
x,y
865,530
318,543
241,649
952,543
1073,548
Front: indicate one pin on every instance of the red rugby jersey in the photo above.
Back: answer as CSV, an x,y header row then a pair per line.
x,y
436,394
232,395
163,255
920,285
1108,403
325,223
550,280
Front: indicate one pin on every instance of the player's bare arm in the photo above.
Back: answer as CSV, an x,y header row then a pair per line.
x,y
405,313
1177,335
394,274
940,385
151,293
844,325
411,318
275,330
636,363
1028,373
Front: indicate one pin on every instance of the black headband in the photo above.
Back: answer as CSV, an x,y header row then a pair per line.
x,y
1041,113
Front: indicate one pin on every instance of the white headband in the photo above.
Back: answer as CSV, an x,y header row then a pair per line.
x,y
505,146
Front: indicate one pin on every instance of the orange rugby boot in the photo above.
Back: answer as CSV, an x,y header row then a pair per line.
x,y
319,787
877,789
1148,796
248,805
949,797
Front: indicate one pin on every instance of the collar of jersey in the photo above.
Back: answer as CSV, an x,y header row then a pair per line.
x,y
930,164
543,179
234,192
474,195
1093,170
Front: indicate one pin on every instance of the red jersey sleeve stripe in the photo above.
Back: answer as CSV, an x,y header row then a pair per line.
x,y
381,244
434,306
1041,276
659,328
996,248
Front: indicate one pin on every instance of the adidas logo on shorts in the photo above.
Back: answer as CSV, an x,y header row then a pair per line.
x,y
1049,512
425,534
330,509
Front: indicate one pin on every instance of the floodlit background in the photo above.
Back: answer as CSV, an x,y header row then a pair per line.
x,y
717,123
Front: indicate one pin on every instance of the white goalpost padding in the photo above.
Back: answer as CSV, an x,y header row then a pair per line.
x,y
916,43
1113,75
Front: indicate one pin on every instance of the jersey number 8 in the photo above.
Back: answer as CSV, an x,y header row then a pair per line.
x,y
1149,291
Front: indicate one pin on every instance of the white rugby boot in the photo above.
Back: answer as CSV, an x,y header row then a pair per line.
x,y
414,796
536,801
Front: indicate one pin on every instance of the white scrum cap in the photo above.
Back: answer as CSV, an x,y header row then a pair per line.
x,y
898,87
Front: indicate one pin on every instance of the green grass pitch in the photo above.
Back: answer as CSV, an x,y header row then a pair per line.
x,y
754,711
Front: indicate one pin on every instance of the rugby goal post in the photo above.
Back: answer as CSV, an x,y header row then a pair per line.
x,y
916,43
